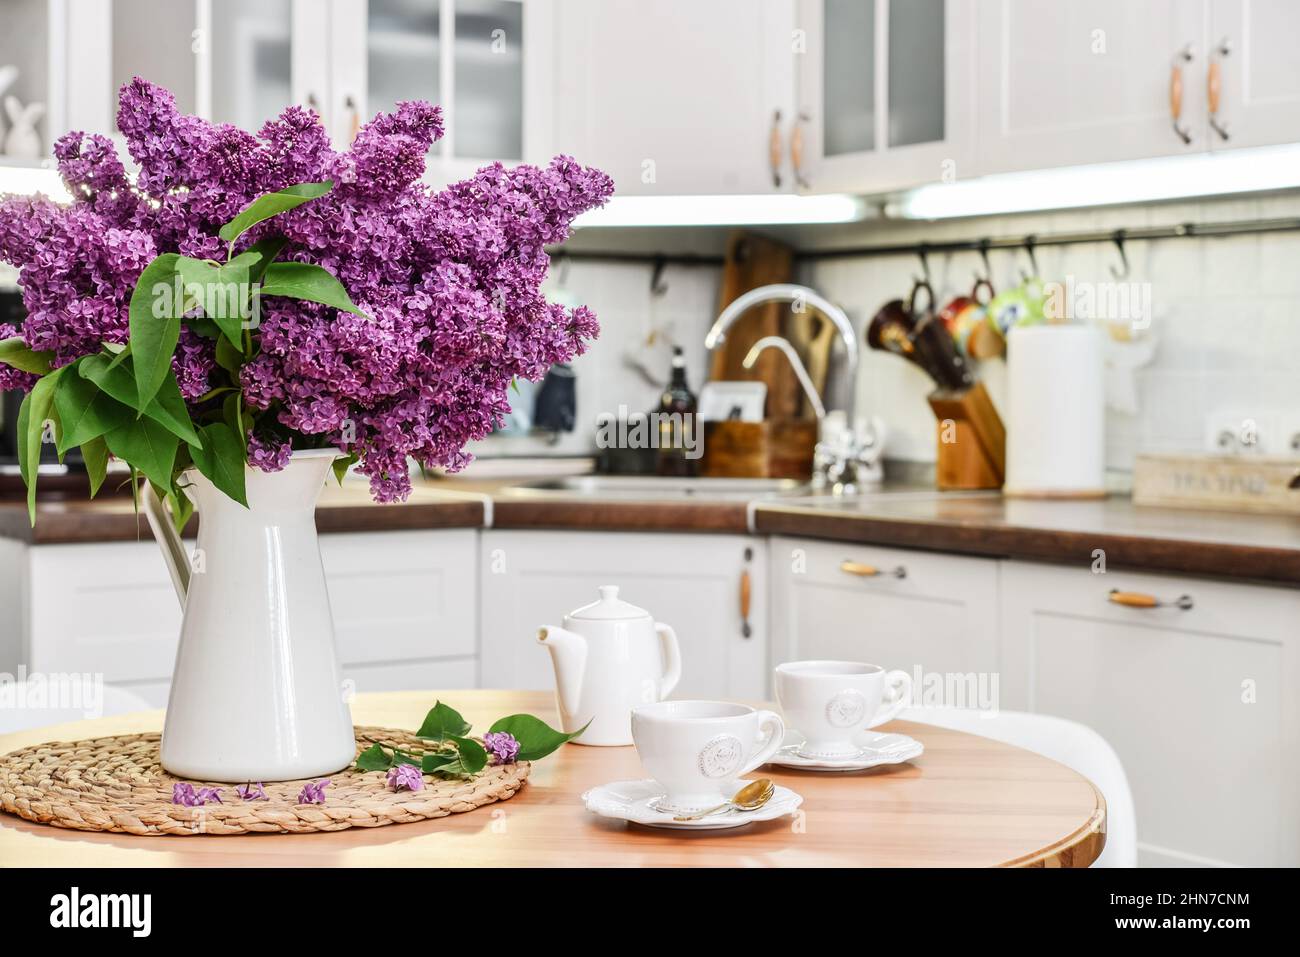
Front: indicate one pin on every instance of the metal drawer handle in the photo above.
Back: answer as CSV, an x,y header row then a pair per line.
x,y
1137,599
871,571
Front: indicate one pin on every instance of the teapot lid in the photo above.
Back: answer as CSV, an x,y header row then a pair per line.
x,y
609,608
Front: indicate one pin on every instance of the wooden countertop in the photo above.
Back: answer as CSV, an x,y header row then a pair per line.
x,y
1264,548
968,801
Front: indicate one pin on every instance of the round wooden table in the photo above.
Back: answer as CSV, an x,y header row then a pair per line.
x,y
967,802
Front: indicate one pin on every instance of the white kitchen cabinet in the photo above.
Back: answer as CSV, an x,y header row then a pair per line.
x,y
695,583
404,605
886,93
486,62
1253,43
911,610
1063,84
677,96
1198,702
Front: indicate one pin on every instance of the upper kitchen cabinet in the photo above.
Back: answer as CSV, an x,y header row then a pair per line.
x,y
486,62
1064,84
1252,83
886,93
624,69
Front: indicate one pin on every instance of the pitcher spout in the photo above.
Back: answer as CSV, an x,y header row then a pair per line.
x,y
569,656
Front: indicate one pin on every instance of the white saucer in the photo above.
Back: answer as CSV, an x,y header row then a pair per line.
x,y
874,749
633,801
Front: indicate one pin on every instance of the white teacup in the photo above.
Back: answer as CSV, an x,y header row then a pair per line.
x,y
829,702
697,749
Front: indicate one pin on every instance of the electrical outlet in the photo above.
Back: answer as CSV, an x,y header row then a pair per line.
x,y
1248,432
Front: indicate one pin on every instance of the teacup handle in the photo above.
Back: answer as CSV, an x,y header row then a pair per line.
x,y
896,698
776,735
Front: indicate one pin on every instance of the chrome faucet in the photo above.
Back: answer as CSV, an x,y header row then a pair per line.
x,y
850,456
800,373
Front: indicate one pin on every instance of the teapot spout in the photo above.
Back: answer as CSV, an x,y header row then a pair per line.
x,y
569,656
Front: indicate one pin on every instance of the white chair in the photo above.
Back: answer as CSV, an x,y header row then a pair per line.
x,y
1076,746
37,703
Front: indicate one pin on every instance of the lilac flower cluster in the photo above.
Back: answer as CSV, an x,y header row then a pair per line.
x,y
405,777
313,792
185,793
502,745
449,280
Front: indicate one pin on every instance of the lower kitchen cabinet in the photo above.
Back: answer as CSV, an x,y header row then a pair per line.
x,y
695,583
404,609
1199,701
892,607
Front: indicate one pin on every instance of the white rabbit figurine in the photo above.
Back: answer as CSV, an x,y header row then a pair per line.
x,y
22,141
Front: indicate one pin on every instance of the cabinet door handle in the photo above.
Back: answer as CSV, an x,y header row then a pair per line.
x,y
774,149
313,103
1176,91
1137,599
746,596
871,571
1214,88
350,104
796,149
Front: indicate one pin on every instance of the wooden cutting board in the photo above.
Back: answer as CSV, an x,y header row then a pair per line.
x,y
753,261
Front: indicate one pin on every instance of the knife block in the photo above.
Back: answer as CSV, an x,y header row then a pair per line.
x,y
972,450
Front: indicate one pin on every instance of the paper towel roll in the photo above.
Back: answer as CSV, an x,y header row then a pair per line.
x,y
1056,398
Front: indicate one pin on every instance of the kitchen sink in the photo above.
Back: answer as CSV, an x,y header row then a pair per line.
x,y
644,487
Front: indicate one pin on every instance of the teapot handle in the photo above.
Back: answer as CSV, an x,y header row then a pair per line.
x,y
673,657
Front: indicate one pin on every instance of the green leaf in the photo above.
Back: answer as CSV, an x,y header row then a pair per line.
x,y
342,464
260,255
154,337
148,446
229,357
443,723
309,282
117,377
181,509
14,352
272,204
85,411
221,459
536,738
37,408
437,763
473,757
94,452
231,411
374,758
168,409
223,292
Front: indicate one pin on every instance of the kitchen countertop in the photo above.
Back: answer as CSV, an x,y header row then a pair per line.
x,y
1263,548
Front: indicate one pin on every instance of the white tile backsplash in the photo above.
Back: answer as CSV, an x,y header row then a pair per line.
x,y
1225,312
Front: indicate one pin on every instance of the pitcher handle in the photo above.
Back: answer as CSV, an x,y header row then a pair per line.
x,y
896,698
775,738
175,557
673,658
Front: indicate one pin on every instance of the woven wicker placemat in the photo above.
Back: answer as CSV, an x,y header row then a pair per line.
x,y
117,784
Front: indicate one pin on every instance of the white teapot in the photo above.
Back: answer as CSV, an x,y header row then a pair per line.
x,y
610,657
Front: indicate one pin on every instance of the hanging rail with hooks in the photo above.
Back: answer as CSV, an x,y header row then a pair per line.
x,y
983,245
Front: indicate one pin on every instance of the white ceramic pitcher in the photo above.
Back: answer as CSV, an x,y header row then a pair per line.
x,y
256,693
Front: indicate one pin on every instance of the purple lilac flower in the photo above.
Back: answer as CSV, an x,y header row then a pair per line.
x,y
268,453
405,777
251,791
313,793
184,793
502,746
449,280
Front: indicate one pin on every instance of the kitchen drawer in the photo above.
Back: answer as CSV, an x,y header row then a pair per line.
x,y
403,596
106,608
1198,702
936,613
440,675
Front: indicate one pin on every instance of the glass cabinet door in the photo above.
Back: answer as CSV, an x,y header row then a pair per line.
x,y
916,72
465,55
155,40
848,77
250,53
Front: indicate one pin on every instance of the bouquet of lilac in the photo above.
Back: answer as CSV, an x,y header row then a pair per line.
x,y
251,295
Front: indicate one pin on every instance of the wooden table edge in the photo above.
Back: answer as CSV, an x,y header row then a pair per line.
x,y
1078,850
